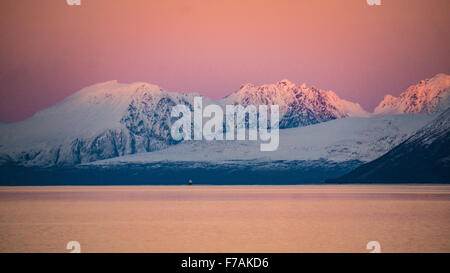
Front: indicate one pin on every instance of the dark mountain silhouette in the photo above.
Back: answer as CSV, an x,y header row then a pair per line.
x,y
422,158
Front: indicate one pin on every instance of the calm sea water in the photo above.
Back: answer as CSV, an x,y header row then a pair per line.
x,y
403,218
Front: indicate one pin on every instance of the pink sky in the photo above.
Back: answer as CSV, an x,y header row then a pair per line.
x,y
49,50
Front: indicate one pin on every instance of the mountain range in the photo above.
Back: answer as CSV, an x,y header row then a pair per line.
x,y
113,124
428,96
299,105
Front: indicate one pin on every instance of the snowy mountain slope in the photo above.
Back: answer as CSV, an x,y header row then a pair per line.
x,y
362,139
101,121
111,119
310,154
422,158
299,105
429,95
439,128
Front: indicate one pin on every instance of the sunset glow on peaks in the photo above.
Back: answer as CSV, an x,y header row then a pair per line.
x,y
50,50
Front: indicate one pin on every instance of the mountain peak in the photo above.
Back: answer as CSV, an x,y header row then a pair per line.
x,y
285,82
299,105
246,86
427,96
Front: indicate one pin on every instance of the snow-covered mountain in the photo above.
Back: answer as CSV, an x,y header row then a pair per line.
x,y
362,139
299,105
428,96
422,158
111,119
101,121
310,154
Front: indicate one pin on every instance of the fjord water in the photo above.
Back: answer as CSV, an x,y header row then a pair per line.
x,y
341,218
